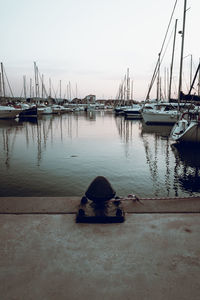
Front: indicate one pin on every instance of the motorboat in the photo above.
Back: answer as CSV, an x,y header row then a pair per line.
x,y
9,112
134,112
119,110
47,110
187,129
56,109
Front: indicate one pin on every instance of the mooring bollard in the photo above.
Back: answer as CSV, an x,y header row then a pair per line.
x,y
100,205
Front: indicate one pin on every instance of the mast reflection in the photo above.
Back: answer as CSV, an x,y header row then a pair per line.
x,y
9,129
127,129
156,138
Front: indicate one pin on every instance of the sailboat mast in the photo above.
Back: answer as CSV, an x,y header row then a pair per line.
x,y
182,49
42,86
158,79
127,86
172,61
131,89
30,87
3,83
49,87
36,80
24,80
60,89
190,69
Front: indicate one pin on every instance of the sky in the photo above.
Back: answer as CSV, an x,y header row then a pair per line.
x,y
91,43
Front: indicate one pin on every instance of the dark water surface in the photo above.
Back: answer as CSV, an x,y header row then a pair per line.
x,y
61,155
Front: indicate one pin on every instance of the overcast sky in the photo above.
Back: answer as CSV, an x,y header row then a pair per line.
x,y
91,43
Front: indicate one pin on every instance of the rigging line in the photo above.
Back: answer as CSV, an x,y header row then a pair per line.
x,y
157,64
168,26
156,69
167,46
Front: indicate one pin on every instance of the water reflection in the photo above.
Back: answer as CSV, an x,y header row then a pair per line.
x,y
125,128
187,167
60,155
157,130
9,130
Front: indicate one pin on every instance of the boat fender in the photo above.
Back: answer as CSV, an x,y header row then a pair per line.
x,y
182,117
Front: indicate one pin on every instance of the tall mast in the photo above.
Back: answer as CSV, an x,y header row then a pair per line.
x,y
42,86
158,79
127,86
70,94
49,87
131,89
172,62
3,83
181,59
190,69
24,81
36,80
60,89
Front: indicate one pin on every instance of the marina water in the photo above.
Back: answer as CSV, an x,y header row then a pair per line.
x,y
60,156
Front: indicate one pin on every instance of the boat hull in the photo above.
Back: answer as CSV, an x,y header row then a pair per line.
x,y
9,114
191,134
160,118
133,115
29,113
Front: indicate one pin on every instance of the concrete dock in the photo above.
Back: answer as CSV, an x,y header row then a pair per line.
x,y
45,254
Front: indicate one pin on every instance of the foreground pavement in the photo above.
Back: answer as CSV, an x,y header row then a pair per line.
x,y
45,254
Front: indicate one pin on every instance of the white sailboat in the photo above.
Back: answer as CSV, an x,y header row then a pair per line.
x,y
187,129
161,113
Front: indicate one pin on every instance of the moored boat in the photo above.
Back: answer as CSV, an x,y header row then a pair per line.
x,y
134,112
29,113
187,129
9,112
162,113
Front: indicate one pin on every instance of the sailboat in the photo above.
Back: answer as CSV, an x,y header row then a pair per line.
x,y
6,112
162,112
187,129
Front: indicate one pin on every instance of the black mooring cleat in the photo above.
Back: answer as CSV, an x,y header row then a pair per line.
x,y
99,205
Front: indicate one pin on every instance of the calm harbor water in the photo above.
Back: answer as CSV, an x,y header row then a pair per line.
x,y
61,155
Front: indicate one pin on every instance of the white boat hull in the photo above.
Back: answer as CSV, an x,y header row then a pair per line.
x,y
151,117
47,111
9,113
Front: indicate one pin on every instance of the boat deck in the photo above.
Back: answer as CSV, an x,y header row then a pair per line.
x,y
45,254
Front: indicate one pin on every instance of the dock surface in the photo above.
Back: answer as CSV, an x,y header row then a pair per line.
x,y
45,254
